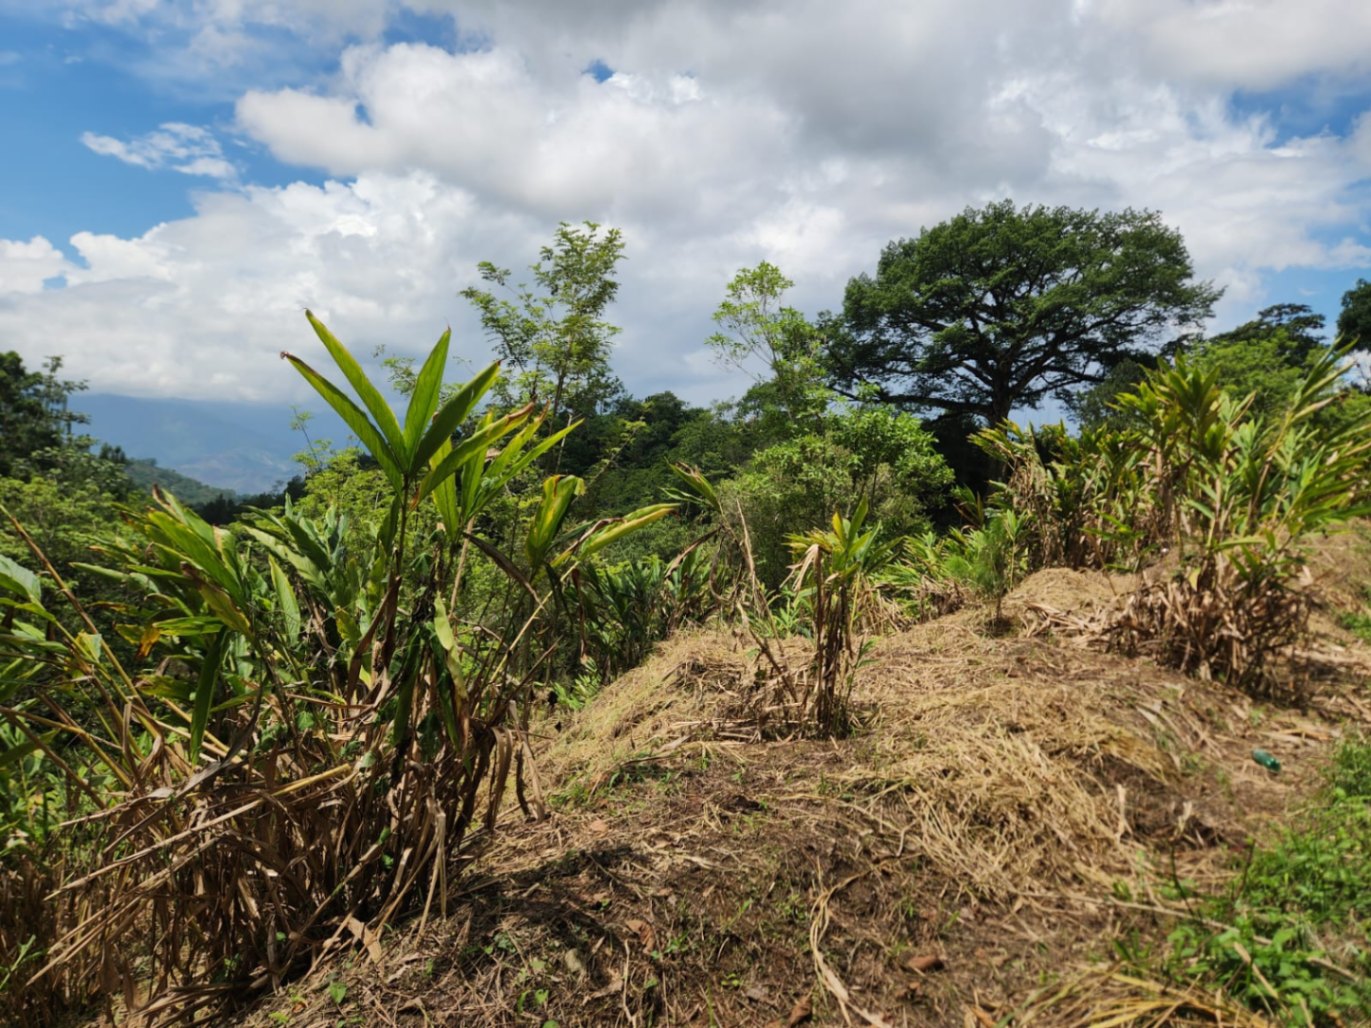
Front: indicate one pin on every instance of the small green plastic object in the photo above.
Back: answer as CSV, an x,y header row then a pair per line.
x,y
1267,761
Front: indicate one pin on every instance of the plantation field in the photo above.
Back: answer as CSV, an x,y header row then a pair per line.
x,y
544,705
1011,837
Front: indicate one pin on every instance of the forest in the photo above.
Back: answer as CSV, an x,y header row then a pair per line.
x,y
250,747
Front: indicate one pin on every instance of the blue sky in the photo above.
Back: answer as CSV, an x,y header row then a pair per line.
x,y
361,156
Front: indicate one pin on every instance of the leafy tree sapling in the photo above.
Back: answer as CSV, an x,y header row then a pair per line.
x,y
552,336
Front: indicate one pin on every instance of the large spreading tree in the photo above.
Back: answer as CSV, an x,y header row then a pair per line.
x,y
1001,307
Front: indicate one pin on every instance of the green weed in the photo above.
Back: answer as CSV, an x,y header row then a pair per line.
x,y
1292,937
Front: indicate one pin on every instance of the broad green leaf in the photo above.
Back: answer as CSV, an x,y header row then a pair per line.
x,y
558,492
20,580
477,443
449,701
698,485
286,602
445,495
592,543
90,646
353,417
222,605
204,693
442,629
454,412
36,609
424,401
371,397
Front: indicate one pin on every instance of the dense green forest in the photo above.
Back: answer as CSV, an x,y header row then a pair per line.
x,y
235,729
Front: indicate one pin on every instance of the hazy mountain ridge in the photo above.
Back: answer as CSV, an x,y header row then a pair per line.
x,y
229,447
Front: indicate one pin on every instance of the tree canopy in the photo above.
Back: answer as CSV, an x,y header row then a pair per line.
x,y
34,417
553,337
1295,328
1001,307
1354,321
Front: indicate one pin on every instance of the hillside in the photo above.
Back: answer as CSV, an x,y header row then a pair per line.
x,y
146,473
242,447
996,844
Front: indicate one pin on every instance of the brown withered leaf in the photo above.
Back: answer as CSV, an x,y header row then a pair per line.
x,y
646,935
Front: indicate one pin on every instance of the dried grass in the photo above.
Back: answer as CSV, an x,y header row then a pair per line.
x,y
1002,786
1105,997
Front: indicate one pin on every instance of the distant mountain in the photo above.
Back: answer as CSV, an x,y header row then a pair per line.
x,y
146,473
238,447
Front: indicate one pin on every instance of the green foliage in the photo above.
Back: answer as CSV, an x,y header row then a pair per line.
x,y
1294,327
989,560
1235,492
342,484
1354,320
861,453
625,608
1292,937
34,414
833,583
1002,307
777,346
553,335
310,707
1267,359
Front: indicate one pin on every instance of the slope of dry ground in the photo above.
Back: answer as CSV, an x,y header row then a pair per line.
x,y
1009,810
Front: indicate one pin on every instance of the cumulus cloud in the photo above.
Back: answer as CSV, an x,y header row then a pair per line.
x,y
202,306
26,267
727,132
1248,44
189,149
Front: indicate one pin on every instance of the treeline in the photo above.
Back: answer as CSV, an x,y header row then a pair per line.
x,y
997,310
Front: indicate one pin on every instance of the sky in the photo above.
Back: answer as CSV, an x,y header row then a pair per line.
x,y
180,178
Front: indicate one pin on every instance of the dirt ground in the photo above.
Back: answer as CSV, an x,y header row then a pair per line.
x,y
1004,820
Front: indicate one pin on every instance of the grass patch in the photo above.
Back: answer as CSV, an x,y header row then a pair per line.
x,y
1292,937
1358,622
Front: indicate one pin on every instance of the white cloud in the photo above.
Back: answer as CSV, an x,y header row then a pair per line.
x,y
26,267
202,306
1249,44
806,133
189,149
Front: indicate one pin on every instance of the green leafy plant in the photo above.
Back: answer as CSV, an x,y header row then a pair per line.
x,y
833,577
1233,493
314,716
989,560
1292,937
